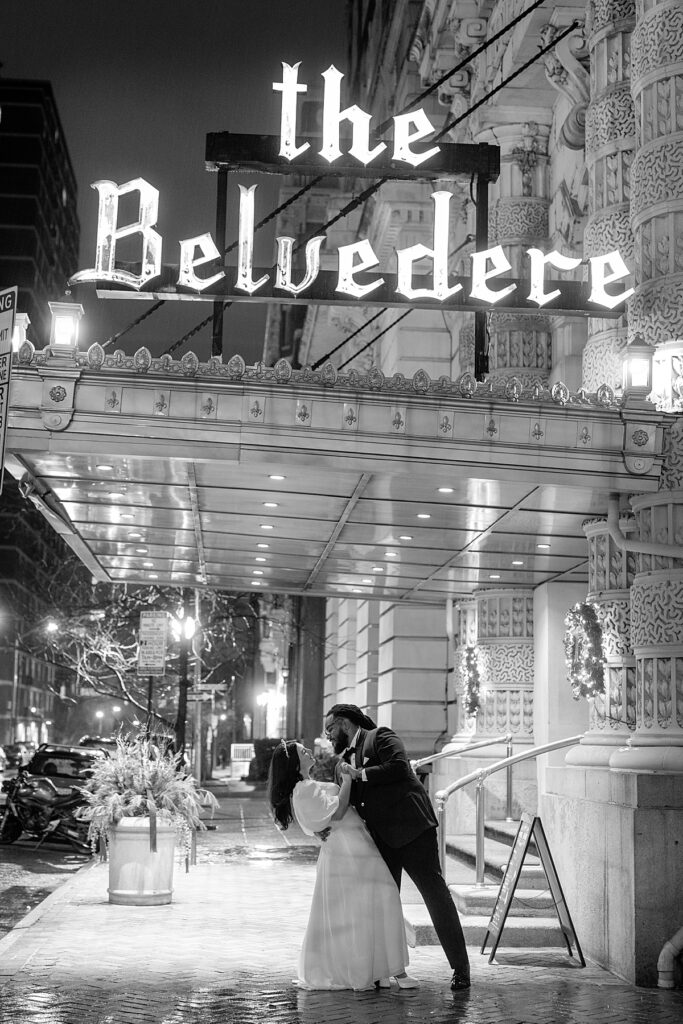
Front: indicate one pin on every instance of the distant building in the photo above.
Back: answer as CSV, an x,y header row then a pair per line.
x,y
39,229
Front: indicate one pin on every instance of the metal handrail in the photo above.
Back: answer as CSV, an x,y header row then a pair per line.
x,y
506,739
480,777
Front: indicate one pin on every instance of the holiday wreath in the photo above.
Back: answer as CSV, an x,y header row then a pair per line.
x,y
583,652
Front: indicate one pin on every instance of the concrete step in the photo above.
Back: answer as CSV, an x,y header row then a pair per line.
x,y
496,856
477,900
503,831
517,931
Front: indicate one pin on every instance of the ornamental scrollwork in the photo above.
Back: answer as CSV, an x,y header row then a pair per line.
x,y
610,118
657,611
656,176
657,40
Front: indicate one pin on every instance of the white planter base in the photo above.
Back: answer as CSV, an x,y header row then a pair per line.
x,y
138,877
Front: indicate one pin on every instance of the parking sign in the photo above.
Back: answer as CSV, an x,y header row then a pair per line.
x,y
152,643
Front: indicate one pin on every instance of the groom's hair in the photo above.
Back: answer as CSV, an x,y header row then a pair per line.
x,y
354,715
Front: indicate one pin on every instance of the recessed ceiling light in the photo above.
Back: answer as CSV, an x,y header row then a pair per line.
x,y
104,467
270,504
517,561
126,515
263,545
377,568
356,590
134,536
266,526
367,581
259,558
116,494
148,565
391,554
154,576
257,572
141,551
543,546
494,576
406,536
256,583
423,515
276,476
445,490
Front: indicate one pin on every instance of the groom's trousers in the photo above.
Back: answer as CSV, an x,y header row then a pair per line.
x,y
420,860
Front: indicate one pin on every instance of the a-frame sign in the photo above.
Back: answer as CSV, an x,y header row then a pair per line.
x,y
530,828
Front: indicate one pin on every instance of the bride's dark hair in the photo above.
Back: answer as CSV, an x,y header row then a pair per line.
x,y
283,775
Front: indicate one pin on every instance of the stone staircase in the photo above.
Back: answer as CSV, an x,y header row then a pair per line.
x,y
531,920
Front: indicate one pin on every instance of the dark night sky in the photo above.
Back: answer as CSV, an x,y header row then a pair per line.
x,y
138,85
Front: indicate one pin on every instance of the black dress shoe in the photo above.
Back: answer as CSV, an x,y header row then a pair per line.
x,y
459,982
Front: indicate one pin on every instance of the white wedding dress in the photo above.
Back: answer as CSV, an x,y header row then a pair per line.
x,y
355,933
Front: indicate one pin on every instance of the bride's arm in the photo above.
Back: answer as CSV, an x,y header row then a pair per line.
x,y
344,796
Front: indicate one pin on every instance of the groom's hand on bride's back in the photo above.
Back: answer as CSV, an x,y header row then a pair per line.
x,y
323,834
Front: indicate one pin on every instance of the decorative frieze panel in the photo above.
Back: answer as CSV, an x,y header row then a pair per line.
x,y
602,14
656,176
657,609
610,228
660,107
658,39
606,119
656,309
523,220
614,617
506,664
505,711
660,246
505,614
609,567
660,521
603,360
659,682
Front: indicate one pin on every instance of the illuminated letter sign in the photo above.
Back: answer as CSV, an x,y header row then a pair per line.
x,y
332,118
187,277
480,275
108,233
245,247
439,256
600,278
283,277
289,88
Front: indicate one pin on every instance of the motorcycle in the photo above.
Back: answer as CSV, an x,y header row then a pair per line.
x,y
34,805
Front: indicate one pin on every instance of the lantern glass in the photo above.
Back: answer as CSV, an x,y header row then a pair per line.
x,y
64,328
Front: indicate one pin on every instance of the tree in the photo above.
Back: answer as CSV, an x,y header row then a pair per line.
x,y
95,636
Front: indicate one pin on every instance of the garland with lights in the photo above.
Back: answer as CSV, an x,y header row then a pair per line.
x,y
583,652
471,701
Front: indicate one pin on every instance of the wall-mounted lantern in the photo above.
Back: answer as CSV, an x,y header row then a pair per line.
x,y
638,369
64,327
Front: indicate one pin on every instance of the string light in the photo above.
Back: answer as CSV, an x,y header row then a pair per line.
x,y
471,701
583,652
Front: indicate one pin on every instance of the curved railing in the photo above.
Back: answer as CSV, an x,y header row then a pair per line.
x,y
480,778
465,749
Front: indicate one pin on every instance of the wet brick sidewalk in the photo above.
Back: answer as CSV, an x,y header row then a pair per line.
x,y
224,952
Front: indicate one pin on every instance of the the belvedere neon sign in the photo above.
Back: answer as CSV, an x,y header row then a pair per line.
x,y
355,261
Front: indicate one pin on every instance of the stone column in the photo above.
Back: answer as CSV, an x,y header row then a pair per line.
x,y
505,640
612,717
657,315
657,637
610,142
520,344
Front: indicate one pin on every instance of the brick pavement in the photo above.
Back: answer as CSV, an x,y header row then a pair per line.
x,y
225,951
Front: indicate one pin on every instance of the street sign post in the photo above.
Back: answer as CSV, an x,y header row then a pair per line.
x,y
152,643
8,309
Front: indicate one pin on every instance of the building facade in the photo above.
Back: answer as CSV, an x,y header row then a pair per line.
x,y
39,229
591,138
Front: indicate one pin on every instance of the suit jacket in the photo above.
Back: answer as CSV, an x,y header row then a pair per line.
x,y
393,802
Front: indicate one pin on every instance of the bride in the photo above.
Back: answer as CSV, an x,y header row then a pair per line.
x,y
355,934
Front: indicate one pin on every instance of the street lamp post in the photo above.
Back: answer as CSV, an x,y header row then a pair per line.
x,y
99,715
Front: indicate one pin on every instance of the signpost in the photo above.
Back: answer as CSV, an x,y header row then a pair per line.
x,y
529,828
8,308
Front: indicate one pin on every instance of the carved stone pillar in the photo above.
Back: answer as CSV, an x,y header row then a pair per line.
x,y
465,635
612,717
610,142
656,309
505,641
520,344
657,638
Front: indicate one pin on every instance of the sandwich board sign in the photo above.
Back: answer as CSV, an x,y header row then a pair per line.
x,y
530,828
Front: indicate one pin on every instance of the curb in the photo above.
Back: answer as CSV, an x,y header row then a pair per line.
x,y
35,915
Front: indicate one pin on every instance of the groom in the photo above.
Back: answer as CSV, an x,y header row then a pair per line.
x,y
396,808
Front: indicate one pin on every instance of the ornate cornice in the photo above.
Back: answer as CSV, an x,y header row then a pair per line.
x,y
142,363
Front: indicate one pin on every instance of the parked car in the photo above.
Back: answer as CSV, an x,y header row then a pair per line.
x,y
103,742
3,759
18,754
66,766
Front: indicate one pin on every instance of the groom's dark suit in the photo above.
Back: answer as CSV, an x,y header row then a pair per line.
x,y
400,817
